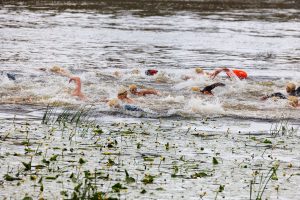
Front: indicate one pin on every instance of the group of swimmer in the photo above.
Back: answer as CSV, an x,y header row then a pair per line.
x,y
123,101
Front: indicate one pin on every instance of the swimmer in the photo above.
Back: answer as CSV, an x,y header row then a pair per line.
x,y
115,103
290,89
294,102
122,95
230,73
60,71
135,72
77,91
198,71
133,90
151,72
119,74
208,89
10,76
162,78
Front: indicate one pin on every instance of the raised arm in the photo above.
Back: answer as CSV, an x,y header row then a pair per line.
x,y
77,91
217,71
208,89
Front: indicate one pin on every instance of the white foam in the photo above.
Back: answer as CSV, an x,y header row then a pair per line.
x,y
176,99
198,105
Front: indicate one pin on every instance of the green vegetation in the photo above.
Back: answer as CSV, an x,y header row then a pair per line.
x,y
85,158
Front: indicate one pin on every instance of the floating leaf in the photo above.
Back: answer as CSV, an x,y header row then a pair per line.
x,y
54,157
129,179
81,161
266,141
27,198
215,161
27,166
148,159
98,131
167,146
148,179
199,175
117,187
221,188
10,178
110,162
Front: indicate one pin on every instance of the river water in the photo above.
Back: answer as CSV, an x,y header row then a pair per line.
x,y
93,40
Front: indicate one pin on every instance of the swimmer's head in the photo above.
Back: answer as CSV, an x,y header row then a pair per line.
x,y
162,78
132,88
113,103
122,91
199,70
293,101
290,87
151,72
195,89
117,73
135,71
56,69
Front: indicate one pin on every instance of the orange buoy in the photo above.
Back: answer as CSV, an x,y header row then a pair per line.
x,y
239,73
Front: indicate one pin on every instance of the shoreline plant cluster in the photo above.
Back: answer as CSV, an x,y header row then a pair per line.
x,y
72,154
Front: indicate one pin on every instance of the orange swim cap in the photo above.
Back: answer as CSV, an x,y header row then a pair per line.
x,y
239,73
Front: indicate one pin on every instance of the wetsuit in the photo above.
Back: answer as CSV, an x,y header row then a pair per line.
x,y
10,76
132,108
277,94
296,92
209,88
282,96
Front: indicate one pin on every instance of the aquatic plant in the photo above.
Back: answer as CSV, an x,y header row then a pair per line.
x,y
66,115
264,180
148,179
282,127
128,179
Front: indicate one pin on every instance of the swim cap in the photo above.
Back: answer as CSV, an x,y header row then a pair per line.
x,y
239,73
293,101
113,103
117,73
290,87
162,78
199,70
151,72
122,90
195,89
135,71
132,87
55,69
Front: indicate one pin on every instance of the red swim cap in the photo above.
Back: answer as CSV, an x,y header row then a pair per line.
x,y
239,73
